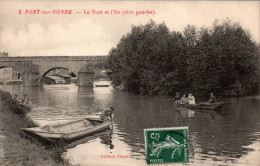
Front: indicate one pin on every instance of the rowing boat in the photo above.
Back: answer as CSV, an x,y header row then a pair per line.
x,y
102,85
69,130
205,105
27,106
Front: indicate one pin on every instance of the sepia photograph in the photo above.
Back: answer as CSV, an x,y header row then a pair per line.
x,y
129,83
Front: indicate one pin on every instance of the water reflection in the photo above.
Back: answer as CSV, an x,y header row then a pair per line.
x,y
104,150
228,136
185,112
105,136
107,140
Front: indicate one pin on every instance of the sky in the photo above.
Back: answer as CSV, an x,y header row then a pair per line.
x,y
82,34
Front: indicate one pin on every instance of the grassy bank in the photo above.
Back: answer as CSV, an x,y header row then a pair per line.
x,y
17,149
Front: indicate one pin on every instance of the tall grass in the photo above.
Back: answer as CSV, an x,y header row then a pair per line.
x,y
17,149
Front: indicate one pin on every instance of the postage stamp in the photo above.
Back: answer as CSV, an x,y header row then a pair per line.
x,y
167,145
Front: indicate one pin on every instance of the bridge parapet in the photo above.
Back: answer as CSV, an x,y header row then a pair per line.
x,y
55,58
34,68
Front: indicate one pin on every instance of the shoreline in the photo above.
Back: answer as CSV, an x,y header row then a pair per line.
x,y
18,150
2,137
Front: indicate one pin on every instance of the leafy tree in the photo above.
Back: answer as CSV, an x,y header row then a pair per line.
x,y
225,61
222,59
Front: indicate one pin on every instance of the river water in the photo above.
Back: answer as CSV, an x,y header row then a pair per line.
x,y
227,137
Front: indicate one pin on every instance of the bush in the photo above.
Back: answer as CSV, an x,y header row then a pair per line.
x,y
10,104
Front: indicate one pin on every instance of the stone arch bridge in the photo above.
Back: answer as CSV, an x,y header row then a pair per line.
x,y
32,69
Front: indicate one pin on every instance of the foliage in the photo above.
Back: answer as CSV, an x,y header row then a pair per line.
x,y
11,105
20,151
222,59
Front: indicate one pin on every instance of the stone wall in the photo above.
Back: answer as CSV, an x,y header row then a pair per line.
x,y
31,75
85,79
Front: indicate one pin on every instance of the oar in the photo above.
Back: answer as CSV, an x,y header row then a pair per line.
x,y
111,121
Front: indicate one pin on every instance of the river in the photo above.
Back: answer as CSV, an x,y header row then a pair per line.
x,y
227,137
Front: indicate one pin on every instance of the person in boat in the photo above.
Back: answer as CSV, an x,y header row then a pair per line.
x,y
14,97
184,99
191,99
177,98
25,99
212,98
106,114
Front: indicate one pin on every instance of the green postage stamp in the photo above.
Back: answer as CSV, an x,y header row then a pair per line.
x,y
167,145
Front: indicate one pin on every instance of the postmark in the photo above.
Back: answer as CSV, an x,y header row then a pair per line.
x,y
167,145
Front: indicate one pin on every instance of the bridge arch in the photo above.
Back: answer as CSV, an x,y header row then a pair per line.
x,y
83,72
64,76
33,68
44,74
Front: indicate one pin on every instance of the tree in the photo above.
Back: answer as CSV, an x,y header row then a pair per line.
x,y
222,59
225,61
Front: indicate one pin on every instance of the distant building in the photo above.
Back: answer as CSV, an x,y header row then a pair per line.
x,y
59,71
64,75
73,79
16,75
9,75
6,74
3,54
67,78
53,80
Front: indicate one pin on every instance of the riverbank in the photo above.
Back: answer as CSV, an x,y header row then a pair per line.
x,y
16,149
